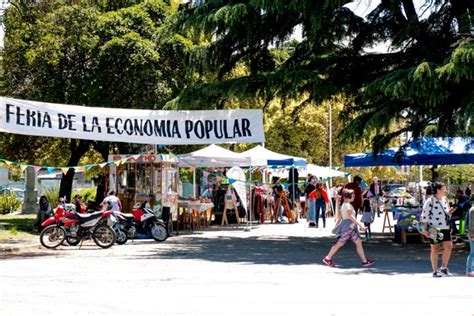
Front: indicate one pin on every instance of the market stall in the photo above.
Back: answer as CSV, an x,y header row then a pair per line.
x,y
419,152
143,175
212,156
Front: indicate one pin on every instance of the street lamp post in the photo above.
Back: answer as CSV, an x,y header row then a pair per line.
x,y
330,139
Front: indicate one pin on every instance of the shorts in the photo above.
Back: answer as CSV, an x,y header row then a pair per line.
x,y
351,234
446,237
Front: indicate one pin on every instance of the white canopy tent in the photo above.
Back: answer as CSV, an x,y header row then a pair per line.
x,y
211,156
260,156
323,172
214,156
318,171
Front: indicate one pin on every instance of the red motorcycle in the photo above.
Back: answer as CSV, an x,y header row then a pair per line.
x,y
72,227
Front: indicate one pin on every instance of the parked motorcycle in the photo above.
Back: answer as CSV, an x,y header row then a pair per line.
x,y
142,221
72,227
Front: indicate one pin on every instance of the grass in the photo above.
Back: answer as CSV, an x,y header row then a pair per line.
x,y
16,226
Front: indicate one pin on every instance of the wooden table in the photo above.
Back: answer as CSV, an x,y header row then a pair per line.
x,y
193,208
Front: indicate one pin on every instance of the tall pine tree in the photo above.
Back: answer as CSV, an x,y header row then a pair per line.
x,y
425,79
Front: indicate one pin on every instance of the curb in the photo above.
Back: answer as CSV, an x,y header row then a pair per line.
x,y
5,249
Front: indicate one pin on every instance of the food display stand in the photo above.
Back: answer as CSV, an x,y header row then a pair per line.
x,y
135,178
404,215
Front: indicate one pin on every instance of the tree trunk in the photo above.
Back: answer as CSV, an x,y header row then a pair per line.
x,y
77,151
434,173
103,149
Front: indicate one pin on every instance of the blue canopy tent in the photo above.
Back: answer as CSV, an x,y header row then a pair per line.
x,y
422,151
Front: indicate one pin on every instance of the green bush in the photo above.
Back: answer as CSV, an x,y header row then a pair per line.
x,y
52,194
88,194
9,203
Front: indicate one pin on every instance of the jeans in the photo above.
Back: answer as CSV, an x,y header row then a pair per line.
x,y
310,217
470,257
321,205
373,205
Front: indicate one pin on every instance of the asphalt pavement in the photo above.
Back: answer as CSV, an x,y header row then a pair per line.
x,y
271,269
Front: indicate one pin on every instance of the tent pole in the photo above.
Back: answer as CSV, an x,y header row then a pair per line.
x,y
251,198
194,182
294,192
420,187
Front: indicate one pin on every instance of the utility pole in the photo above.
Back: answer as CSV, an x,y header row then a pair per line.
x,y
330,138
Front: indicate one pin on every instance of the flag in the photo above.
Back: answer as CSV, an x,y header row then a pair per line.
x,y
23,167
102,165
65,170
50,169
37,168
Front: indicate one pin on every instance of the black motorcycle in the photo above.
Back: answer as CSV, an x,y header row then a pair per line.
x,y
142,221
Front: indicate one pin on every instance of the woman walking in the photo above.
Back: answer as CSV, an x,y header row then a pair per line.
x,y
347,228
435,215
321,199
310,203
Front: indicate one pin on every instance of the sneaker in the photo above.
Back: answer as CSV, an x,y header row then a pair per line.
x,y
436,274
470,274
316,225
445,272
328,262
368,263
311,224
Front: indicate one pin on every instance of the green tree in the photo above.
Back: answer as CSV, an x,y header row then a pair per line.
x,y
105,54
425,79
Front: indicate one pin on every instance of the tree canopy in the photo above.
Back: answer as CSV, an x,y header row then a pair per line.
x,y
107,53
425,79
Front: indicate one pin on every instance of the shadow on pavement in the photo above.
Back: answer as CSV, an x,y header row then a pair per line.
x,y
30,254
390,258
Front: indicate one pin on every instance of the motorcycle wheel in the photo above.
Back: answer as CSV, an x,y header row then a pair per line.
x,y
158,232
104,236
122,237
170,228
73,241
52,236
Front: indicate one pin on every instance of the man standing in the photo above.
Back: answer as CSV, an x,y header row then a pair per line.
x,y
355,185
377,193
112,203
462,207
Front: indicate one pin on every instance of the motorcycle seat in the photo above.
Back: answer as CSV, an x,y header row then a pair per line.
x,y
128,216
83,218
91,215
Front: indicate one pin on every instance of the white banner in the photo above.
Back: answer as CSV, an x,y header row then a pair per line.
x,y
234,174
131,126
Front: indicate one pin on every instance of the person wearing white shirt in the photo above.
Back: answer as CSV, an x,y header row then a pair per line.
x,y
435,214
111,202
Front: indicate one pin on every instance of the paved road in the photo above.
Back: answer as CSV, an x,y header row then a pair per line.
x,y
269,270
